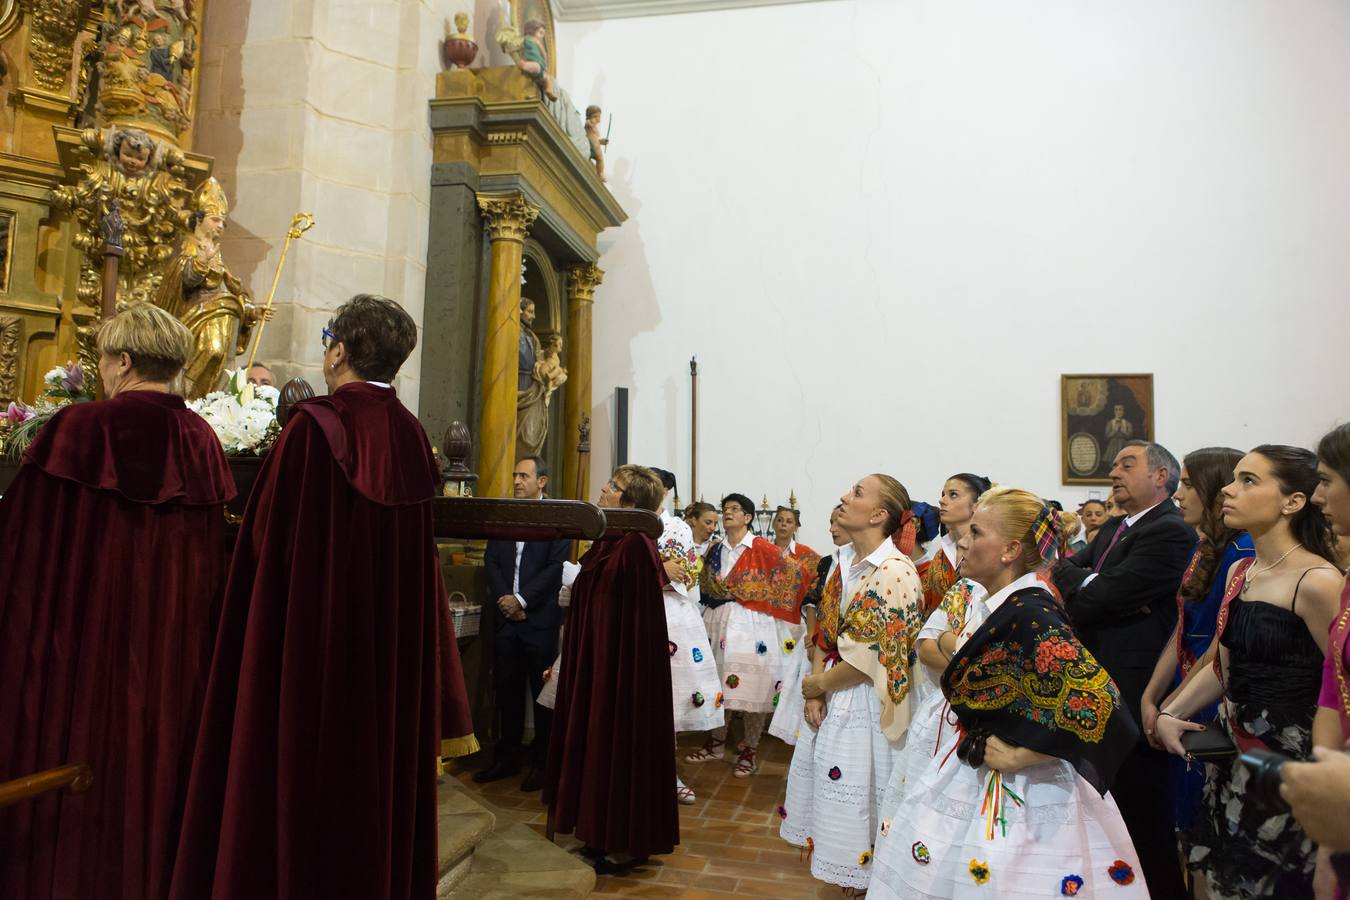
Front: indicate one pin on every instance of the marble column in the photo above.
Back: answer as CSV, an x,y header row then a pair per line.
x,y
582,280
508,217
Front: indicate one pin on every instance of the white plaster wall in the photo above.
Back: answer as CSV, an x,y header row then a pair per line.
x,y
887,226
321,106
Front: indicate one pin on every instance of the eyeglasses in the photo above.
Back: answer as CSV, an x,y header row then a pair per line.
x,y
328,338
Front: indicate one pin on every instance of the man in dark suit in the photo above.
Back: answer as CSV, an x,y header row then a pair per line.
x,y
524,578
1120,592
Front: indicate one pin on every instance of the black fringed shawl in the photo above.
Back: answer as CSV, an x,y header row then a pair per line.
x,y
1025,677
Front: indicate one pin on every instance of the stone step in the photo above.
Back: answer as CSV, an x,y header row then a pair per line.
x,y
462,825
517,862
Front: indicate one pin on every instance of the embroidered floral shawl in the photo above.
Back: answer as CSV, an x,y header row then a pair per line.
x,y
763,580
677,545
809,560
938,575
875,633
1025,677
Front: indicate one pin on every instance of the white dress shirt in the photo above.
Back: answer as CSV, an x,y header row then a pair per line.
x,y
732,553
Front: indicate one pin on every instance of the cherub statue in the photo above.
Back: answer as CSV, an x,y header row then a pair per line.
x,y
598,143
549,371
132,152
533,60
212,303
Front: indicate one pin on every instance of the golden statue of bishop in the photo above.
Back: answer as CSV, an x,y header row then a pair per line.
x,y
212,303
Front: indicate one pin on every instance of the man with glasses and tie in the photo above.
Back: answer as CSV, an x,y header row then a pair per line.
x,y
1120,592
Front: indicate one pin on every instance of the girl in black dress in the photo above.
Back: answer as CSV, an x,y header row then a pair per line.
x,y
1271,633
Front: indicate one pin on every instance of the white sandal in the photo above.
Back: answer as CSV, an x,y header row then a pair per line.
x,y
684,794
746,763
711,750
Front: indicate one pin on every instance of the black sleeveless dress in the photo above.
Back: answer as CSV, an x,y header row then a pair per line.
x,y
1273,680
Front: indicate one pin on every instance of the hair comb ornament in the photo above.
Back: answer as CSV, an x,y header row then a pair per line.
x,y
1046,532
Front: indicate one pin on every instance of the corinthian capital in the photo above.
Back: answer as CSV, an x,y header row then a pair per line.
x,y
582,280
508,216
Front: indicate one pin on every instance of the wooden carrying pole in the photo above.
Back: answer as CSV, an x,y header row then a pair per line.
x,y
300,223
693,429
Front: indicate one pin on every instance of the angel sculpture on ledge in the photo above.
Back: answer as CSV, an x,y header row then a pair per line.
x,y
598,143
534,58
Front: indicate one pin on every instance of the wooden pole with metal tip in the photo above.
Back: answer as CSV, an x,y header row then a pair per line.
x,y
693,427
300,223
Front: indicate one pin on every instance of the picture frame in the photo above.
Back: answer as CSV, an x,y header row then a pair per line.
x,y
1099,414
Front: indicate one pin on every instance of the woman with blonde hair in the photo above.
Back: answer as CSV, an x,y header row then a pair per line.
x,y
113,552
1013,802
857,703
610,765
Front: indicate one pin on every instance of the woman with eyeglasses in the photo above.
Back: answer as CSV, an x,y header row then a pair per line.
x,y
335,674
112,551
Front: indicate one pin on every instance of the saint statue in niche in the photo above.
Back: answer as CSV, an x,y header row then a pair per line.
x,y
540,374
211,302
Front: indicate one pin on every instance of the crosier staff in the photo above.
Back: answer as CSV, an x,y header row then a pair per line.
x,y
300,223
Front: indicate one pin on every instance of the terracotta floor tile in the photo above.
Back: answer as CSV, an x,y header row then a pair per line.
x,y
729,844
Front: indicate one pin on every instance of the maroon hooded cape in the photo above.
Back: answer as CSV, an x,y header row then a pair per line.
x,y
611,755
112,559
315,768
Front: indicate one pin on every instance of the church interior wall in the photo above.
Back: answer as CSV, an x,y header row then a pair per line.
x,y
886,228
321,106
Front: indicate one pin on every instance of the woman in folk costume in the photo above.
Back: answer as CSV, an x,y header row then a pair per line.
x,y
933,719
787,521
750,592
693,672
857,695
1013,804
787,720
937,566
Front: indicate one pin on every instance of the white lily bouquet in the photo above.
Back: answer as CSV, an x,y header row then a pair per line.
x,y
244,416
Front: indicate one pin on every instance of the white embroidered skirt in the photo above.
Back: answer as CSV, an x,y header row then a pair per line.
x,y
835,786
932,723
1063,840
789,715
751,649
694,681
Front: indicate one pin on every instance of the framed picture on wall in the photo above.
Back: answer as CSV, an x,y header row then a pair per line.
x,y
1100,415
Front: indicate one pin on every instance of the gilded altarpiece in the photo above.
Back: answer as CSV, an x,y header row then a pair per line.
x,y
97,114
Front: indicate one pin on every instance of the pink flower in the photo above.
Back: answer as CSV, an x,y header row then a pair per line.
x,y
18,413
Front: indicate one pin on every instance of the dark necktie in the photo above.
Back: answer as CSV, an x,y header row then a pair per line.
x,y
1120,532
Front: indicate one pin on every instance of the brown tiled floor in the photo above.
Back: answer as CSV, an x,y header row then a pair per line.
x,y
729,844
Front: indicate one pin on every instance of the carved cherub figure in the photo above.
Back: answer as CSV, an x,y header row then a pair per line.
x,y
533,59
598,143
131,151
549,369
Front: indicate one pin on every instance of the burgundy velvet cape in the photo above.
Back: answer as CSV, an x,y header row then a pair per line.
x,y
611,762
315,768
112,559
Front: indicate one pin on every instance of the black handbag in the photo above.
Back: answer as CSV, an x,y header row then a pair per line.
x,y
1211,745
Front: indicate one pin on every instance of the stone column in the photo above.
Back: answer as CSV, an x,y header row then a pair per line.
x,y
508,218
582,280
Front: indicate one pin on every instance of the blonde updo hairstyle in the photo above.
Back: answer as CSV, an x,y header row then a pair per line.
x,y
1018,513
894,500
157,342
